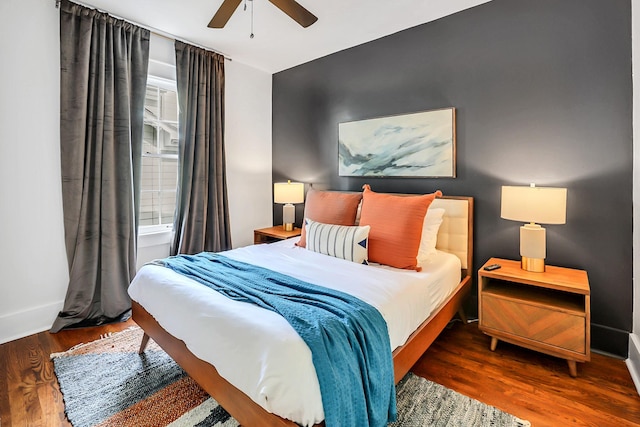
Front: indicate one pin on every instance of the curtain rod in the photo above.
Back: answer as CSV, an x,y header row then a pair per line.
x,y
155,31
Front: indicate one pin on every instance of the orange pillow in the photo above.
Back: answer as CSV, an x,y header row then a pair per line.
x,y
396,226
329,207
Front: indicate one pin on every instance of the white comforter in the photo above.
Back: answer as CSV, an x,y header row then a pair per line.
x,y
257,350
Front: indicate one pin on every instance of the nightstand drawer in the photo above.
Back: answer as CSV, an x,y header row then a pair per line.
x,y
544,325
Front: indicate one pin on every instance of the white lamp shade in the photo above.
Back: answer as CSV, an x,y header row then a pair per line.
x,y
543,205
288,192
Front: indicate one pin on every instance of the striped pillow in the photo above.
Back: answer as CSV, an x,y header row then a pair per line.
x,y
340,241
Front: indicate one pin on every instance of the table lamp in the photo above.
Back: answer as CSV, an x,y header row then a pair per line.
x,y
288,193
544,205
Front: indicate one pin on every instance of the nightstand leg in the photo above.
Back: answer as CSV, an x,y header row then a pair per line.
x,y
494,343
573,370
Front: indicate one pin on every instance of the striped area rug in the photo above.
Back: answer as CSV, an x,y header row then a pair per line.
x,y
106,383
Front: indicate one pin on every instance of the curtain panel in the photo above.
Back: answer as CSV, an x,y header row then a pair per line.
x,y
103,75
202,211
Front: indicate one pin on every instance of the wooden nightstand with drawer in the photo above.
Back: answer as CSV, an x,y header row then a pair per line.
x,y
547,312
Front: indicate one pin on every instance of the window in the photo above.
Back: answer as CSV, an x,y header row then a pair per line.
x,y
159,156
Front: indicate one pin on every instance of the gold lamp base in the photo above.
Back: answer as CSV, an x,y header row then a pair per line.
x,y
535,265
288,227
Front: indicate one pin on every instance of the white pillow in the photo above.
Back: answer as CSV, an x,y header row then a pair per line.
x,y
430,227
340,241
358,213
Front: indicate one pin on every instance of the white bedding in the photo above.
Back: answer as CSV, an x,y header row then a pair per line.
x,y
257,350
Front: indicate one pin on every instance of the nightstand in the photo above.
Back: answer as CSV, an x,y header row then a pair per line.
x,y
273,234
547,312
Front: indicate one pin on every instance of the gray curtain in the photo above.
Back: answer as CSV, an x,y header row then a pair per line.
x,y
103,75
202,211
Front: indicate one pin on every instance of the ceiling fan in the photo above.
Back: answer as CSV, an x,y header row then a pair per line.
x,y
292,8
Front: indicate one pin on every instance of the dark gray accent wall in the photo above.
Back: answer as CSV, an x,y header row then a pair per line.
x,y
543,94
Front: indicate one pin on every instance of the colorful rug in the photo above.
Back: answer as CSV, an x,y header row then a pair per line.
x,y
106,383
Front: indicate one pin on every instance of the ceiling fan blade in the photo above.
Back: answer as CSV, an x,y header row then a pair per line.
x,y
223,14
298,13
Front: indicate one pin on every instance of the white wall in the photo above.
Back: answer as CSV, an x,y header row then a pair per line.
x,y
633,362
248,150
32,253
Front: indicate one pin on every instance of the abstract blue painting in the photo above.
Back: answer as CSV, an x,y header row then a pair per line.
x,y
410,145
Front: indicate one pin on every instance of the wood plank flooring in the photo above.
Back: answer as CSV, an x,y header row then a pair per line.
x,y
29,392
532,385
527,384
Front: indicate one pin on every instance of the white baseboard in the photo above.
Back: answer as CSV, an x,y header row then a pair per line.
x,y
633,362
27,322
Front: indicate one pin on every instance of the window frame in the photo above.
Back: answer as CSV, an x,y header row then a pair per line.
x,y
170,85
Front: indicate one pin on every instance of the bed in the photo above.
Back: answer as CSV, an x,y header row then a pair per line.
x,y
176,333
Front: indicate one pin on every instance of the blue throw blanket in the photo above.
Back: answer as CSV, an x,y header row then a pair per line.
x,y
347,337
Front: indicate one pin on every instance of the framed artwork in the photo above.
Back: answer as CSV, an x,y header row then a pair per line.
x,y
418,145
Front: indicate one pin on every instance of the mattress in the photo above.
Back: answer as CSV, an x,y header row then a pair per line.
x,y
256,350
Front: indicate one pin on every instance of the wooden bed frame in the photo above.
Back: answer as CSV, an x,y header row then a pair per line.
x,y
246,411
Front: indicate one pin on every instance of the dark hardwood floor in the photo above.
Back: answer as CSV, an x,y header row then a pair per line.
x,y
29,393
527,384
531,385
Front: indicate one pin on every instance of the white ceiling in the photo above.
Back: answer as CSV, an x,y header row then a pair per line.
x,y
279,42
